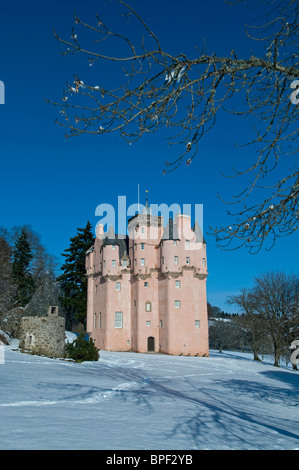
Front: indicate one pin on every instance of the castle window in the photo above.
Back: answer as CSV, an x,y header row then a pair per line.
x,y
142,246
187,243
142,229
146,284
148,306
95,320
142,262
178,284
113,263
113,247
174,243
161,324
187,260
197,323
177,304
204,261
162,259
118,322
117,286
176,260
100,320
135,262
148,323
125,263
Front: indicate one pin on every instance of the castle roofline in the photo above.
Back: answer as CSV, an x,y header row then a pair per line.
x,y
113,239
170,231
198,233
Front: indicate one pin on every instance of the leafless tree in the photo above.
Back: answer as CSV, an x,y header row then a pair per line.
x,y
252,320
272,310
185,95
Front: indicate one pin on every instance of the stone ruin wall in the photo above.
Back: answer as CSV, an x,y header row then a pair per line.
x,y
43,335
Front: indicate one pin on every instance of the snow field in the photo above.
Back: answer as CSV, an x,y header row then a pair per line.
x,y
135,401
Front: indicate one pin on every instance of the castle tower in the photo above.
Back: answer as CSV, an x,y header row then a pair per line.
x,y
183,306
109,291
144,234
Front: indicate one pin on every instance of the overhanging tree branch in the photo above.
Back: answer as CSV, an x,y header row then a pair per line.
x,y
184,95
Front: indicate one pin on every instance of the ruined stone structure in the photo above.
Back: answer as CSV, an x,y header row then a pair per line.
x,y
147,290
42,327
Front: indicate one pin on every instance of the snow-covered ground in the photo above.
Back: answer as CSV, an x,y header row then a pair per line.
x,y
147,402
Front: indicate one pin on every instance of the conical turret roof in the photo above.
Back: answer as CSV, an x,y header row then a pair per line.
x,y
170,231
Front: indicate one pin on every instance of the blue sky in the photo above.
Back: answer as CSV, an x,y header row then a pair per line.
x,y
55,185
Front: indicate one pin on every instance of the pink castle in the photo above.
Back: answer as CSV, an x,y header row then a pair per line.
x,y
147,290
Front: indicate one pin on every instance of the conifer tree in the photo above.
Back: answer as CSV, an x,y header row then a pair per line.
x,y
73,280
21,275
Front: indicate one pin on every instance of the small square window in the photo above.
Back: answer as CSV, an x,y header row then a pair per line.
x,y
53,310
148,323
117,286
146,284
197,323
113,247
178,284
177,304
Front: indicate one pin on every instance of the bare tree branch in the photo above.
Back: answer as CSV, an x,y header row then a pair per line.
x,y
185,95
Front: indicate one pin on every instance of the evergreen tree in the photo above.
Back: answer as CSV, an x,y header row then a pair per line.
x,y
21,275
73,280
